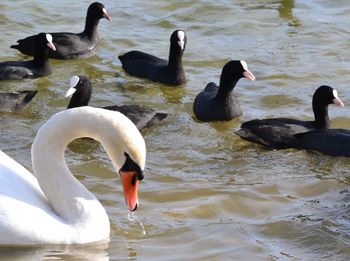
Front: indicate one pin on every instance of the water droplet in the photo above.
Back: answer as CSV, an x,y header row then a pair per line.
x,y
132,217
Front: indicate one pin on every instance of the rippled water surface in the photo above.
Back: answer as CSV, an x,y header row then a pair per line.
x,y
207,195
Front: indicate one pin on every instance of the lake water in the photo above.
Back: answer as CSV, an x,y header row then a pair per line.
x,y
207,195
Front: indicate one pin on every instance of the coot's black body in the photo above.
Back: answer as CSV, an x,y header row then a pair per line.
x,y
141,116
38,67
333,142
279,133
71,45
216,103
148,66
15,101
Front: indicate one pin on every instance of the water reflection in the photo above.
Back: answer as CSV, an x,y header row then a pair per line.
x,y
173,94
286,12
96,252
207,193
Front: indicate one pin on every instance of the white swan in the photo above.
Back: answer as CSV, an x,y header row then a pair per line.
x,y
54,207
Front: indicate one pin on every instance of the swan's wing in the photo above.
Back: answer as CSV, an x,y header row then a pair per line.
x,y
26,217
16,181
21,202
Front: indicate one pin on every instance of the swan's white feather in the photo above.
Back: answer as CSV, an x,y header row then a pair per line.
x,y
25,214
61,210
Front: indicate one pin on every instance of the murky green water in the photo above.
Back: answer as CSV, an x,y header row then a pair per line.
x,y
207,195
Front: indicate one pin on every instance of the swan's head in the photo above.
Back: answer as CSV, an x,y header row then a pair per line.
x,y
130,174
127,150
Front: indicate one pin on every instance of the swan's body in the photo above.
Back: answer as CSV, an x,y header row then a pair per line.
x,y
54,207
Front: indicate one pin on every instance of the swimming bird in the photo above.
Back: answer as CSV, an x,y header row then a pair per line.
x,y
72,45
148,66
216,103
142,116
52,206
38,67
333,142
15,101
279,133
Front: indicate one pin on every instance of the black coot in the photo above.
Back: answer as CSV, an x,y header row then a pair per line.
x,y
38,67
71,45
279,133
143,117
216,103
145,65
15,101
333,142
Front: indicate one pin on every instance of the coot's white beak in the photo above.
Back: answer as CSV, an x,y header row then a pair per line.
x,y
50,44
70,91
106,15
249,75
338,102
336,99
72,84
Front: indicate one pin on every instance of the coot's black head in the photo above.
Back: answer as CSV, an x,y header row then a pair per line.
x,y
97,11
43,41
232,72
178,40
326,95
80,88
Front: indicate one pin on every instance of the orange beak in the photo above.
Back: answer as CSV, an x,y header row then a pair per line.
x,y
130,184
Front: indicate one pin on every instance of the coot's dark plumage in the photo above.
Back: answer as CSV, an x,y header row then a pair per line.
x,y
38,67
216,103
145,65
15,101
71,45
279,133
333,142
141,116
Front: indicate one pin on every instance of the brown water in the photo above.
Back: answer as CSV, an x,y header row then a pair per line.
x,y
207,195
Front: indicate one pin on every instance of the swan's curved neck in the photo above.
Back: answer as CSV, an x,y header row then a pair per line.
x,y
67,196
